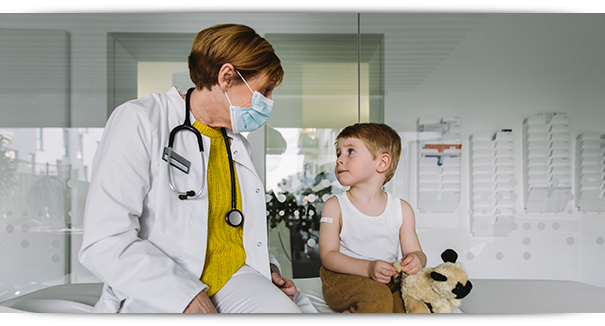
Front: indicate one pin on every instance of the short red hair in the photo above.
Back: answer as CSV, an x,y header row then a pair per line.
x,y
238,45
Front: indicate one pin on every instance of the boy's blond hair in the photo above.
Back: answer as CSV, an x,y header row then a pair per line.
x,y
379,138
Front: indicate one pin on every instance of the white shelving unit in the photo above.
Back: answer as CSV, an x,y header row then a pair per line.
x,y
439,166
590,172
546,163
492,184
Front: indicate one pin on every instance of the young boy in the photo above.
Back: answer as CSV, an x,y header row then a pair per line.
x,y
363,228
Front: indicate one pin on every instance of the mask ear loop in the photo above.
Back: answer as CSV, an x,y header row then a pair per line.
x,y
228,100
245,81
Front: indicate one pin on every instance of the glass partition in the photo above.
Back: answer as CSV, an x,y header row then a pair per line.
x,y
332,81
44,179
143,63
34,77
102,60
299,179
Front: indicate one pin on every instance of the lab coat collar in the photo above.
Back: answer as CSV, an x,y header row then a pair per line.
x,y
237,146
175,97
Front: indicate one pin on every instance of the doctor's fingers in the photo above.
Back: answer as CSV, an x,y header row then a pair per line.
x,y
278,279
201,304
289,289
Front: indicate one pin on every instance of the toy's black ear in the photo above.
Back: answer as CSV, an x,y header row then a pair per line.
x,y
438,277
449,255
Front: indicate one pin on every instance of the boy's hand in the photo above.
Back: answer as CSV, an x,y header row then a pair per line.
x,y
411,264
381,271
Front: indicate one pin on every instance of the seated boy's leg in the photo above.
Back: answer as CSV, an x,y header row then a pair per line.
x,y
355,293
331,291
398,306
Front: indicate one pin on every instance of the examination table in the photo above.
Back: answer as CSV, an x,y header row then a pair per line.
x,y
487,296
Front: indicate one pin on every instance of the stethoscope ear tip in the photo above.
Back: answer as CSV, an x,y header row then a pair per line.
x,y
186,195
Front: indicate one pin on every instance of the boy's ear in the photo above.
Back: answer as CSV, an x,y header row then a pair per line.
x,y
384,161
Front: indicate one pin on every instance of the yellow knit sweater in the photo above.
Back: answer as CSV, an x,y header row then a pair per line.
x,y
225,253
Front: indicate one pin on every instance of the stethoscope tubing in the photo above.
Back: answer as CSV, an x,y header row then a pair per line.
x,y
234,217
190,193
231,169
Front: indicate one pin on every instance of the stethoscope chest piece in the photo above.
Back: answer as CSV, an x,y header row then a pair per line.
x,y
234,218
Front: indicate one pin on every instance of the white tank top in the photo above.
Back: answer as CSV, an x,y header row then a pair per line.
x,y
370,237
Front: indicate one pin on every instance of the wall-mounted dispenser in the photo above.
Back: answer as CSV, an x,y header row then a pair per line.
x,y
439,151
590,172
546,163
492,184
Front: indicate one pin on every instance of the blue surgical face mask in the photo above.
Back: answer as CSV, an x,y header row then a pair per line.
x,y
252,118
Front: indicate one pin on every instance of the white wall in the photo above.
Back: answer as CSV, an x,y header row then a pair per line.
x,y
509,67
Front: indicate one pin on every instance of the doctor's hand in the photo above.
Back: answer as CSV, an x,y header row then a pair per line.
x,y
200,304
284,284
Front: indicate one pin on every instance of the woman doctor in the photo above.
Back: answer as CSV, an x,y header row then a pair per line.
x,y
175,219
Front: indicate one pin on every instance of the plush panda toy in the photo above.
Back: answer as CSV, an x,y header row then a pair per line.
x,y
437,289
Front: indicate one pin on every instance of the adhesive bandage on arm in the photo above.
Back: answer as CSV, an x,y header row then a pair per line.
x,y
326,220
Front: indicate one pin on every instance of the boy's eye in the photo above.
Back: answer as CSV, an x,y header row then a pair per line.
x,y
351,151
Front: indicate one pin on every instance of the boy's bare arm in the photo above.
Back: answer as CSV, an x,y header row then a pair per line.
x,y
329,243
334,260
414,258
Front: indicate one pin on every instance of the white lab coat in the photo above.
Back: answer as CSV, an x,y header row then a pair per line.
x,y
144,243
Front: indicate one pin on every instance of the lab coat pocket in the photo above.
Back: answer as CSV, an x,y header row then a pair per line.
x,y
168,212
193,236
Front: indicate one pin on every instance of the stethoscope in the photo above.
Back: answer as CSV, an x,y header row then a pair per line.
x,y
234,217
